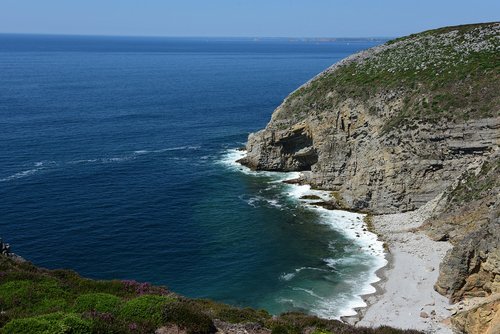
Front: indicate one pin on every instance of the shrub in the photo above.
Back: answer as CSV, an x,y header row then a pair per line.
x,y
390,330
100,302
190,318
233,314
56,323
13,293
147,308
143,288
237,315
48,305
106,323
33,297
279,329
297,323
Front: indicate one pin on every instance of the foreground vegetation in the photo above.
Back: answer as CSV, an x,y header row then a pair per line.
x,y
35,300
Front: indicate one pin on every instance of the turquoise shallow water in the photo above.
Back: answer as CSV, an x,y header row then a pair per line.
x,y
116,160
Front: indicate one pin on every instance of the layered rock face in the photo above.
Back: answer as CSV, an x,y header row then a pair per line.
x,y
381,174
393,126
469,218
390,128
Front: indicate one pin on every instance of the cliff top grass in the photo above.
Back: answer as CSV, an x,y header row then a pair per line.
x,y
35,300
450,73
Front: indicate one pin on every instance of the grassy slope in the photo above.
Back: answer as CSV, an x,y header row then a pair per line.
x,y
449,74
34,300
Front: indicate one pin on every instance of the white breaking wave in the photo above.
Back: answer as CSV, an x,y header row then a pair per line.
x,y
21,174
252,201
275,203
258,201
334,263
309,292
142,152
231,156
161,150
178,148
287,277
311,268
39,165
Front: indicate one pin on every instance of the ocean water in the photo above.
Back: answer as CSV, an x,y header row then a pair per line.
x,y
117,160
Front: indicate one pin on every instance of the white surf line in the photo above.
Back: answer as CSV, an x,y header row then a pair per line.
x,y
38,166
349,224
45,165
353,227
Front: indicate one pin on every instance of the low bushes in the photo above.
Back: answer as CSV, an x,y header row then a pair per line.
x,y
189,317
28,298
56,323
232,314
147,308
97,302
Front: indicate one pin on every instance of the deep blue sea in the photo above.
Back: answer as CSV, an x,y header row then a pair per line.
x,y
117,161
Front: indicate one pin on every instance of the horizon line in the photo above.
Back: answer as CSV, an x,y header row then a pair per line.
x,y
194,36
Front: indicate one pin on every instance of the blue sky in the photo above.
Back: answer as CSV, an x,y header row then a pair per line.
x,y
262,18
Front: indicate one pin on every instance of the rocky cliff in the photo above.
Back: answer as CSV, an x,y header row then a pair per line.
x,y
469,218
390,128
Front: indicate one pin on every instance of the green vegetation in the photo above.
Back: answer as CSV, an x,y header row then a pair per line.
x,y
147,308
298,323
30,297
97,302
313,197
473,187
321,332
190,317
450,74
54,323
232,314
34,300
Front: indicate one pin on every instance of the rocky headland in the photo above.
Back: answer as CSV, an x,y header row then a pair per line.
x,y
394,128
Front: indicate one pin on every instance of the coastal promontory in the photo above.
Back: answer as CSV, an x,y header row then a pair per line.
x,y
392,128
